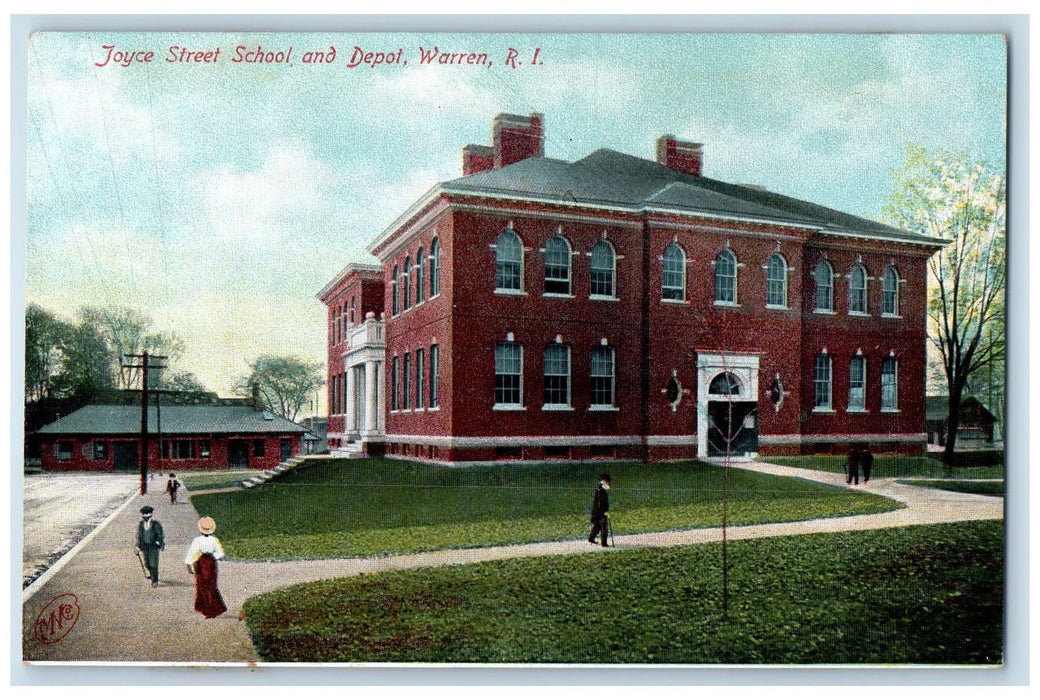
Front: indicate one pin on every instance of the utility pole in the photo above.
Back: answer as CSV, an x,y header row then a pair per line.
x,y
144,367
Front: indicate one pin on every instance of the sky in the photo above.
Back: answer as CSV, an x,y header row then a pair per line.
x,y
220,197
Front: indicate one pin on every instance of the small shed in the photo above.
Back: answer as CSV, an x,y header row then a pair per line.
x,y
976,421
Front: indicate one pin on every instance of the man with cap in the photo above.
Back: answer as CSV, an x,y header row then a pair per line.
x,y
600,506
150,541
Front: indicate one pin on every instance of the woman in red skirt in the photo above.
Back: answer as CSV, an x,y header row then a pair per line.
x,y
202,561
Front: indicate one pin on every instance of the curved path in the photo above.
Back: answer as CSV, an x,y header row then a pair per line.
x,y
122,618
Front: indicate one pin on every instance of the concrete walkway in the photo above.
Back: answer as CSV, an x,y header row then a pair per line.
x,y
123,619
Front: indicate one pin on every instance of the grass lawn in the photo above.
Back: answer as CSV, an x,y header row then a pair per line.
x,y
215,480
985,488
360,507
892,466
921,595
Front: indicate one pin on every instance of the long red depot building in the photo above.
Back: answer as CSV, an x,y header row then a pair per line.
x,y
622,308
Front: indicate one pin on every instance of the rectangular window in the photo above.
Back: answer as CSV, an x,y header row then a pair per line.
x,y
857,383
100,451
179,449
204,449
557,370
889,385
602,376
508,375
822,382
64,449
406,379
259,448
394,405
419,358
434,359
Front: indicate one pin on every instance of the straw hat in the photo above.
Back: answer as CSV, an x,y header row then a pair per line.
x,y
207,526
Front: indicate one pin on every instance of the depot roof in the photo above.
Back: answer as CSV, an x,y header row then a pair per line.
x,y
175,420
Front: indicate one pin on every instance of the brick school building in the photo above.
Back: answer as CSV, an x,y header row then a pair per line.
x,y
616,307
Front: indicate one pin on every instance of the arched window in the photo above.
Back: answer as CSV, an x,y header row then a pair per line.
x,y
557,266
776,281
509,262
824,276
673,273
353,307
406,283
394,310
419,277
725,384
602,270
725,278
435,268
890,292
858,289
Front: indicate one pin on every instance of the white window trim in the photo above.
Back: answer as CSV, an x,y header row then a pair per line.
x,y
603,408
603,297
523,250
685,262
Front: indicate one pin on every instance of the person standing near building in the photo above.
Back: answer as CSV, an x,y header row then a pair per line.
x,y
853,467
867,460
150,542
600,510
171,487
202,558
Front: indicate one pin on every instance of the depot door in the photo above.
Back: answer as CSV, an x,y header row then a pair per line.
x,y
238,453
124,456
732,425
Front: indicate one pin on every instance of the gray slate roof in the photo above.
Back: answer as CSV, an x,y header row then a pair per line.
x,y
607,177
176,420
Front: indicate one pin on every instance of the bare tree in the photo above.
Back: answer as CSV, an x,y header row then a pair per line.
x,y
946,196
283,384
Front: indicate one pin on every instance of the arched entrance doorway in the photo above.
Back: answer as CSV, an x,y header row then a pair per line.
x,y
727,405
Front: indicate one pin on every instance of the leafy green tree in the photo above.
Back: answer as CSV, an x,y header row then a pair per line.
x,y
283,384
89,368
44,336
947,196
183,381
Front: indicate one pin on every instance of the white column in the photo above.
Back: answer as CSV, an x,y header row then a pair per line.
x,y
380,398
349,423
371,401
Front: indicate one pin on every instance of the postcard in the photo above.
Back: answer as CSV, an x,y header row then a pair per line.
x,y
472,349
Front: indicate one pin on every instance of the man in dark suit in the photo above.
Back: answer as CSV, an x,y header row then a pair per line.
x,y
150,542
853,468
600,508
867,460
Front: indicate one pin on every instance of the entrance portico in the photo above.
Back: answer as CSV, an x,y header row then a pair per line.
x,y
363,360
727,404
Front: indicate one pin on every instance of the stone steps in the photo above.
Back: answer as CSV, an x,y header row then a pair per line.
x,y
264,477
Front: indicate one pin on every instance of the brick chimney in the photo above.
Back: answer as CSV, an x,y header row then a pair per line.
x,y
683,156
477,159
516,138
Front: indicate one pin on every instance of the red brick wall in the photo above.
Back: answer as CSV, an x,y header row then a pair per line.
x,y
82,453
421,326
